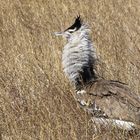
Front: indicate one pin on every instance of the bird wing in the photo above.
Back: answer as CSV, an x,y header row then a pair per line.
x,y
114,99
115,89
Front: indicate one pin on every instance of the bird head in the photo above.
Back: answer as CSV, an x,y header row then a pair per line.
x,y
72,30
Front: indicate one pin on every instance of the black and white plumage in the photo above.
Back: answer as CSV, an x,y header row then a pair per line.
x,y
79,55
107,100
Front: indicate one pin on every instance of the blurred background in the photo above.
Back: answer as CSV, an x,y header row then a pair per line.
x,y
36,99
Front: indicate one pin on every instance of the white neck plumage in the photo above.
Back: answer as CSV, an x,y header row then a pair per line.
x,y
79,58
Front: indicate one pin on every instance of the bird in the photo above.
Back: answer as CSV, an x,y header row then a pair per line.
x,y
108,101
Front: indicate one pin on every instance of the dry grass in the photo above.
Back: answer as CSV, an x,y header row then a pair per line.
x,y
36,100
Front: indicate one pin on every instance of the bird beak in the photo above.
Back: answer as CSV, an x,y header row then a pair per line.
x,y
59,33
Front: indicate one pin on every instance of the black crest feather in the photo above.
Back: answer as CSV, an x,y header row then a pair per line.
x,y
77,24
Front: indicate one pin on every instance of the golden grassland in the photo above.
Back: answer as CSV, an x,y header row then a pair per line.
x,y
36,100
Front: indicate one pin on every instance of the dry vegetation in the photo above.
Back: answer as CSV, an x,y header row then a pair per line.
x,y
36,100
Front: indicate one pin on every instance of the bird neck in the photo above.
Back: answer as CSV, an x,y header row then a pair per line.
x,y
78,59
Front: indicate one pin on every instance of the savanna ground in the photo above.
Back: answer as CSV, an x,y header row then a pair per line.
x,y
36,100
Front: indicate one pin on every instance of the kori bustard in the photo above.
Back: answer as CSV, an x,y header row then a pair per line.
x,y
109,102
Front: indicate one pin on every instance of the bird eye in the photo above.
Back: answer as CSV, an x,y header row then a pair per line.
x,y
71,31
